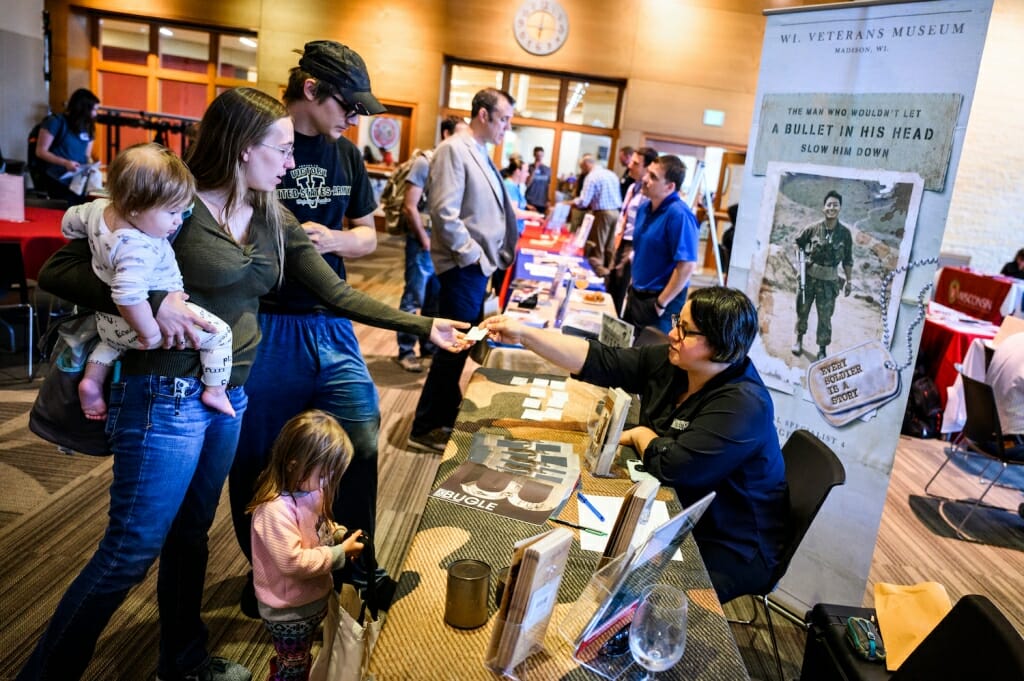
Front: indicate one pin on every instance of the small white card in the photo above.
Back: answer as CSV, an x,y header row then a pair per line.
x,y
551,414
558,399
538,392
557,385
519,380
533,415
476,334
531,403
541,381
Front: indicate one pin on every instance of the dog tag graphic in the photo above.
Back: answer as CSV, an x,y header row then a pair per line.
x,y
853,382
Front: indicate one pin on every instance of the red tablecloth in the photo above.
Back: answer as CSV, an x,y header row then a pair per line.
x,y
39,236
983,296
944,344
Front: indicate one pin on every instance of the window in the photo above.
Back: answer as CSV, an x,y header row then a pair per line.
x,y
163,74
566,114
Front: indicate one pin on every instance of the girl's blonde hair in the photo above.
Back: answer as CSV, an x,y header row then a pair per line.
x,y
148,175
313,439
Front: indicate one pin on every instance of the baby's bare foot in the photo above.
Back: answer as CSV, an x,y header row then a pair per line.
x,y
90,394
216,397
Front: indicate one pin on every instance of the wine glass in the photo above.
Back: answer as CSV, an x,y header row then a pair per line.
x,y
657,635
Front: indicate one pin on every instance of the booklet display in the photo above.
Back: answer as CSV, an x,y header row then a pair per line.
x,y
613,412
634,512
535,575
618,589
518,479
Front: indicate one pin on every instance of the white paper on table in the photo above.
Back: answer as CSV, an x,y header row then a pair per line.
x,y
558,399
551,414
531,403
609,508
541,382
539,392
519,380
533,415
557,385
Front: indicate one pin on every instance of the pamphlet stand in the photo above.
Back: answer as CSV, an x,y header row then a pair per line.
x,y
525,642
608,661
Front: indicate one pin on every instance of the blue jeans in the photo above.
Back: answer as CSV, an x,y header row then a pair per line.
x,y
420,293
308,361
171,456
463,290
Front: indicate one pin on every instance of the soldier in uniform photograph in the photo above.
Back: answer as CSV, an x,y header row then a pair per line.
x,y
823,247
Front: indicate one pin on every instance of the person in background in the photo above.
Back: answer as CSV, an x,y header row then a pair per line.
x,y
538,182
706,425
601,197
295,541
421,284
1005,374
150,192
474,234
171,452
65,144
514,175
1015,268
309,356
627,179
725,245
664,248
617,281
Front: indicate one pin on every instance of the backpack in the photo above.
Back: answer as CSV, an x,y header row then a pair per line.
x,y
37,168
923,417
392,197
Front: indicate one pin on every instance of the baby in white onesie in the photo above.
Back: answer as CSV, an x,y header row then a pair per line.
x,y
150,190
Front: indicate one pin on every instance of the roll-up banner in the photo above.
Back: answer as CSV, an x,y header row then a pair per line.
x,y
859,122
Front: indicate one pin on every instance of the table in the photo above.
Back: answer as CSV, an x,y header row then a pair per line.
x,y
986,296
39,236
415,643
944,344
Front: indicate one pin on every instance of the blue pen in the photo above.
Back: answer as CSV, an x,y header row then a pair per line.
x,y
586,502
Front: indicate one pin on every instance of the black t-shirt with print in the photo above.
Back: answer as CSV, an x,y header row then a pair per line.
x,y
328,183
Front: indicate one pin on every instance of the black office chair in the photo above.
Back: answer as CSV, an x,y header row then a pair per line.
x,y
812,470
12,279
973,641
983,435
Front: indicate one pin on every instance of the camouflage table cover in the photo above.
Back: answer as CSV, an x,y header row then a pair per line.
x,y
415,642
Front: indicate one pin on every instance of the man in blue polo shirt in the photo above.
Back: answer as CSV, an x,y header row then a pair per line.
x,y
664,248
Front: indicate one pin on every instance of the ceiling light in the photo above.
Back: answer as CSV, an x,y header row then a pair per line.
x,y
248,42
166,31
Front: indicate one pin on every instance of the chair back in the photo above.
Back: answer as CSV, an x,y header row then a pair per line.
x,y
812,470
973,641
982,426
12,271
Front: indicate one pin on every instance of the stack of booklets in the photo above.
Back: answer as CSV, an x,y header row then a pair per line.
x,y
634,512
534,577
519,479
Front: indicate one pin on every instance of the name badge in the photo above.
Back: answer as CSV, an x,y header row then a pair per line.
x,y
680,424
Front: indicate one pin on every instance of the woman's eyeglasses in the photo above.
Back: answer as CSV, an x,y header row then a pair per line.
x,y
357,108
288,150
681,328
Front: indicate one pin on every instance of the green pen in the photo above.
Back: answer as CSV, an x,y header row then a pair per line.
x,y
591,530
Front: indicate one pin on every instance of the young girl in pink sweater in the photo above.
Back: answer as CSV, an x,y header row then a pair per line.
x,y
295,541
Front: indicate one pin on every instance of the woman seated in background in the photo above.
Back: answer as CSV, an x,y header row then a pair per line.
x,y
706,424
65,144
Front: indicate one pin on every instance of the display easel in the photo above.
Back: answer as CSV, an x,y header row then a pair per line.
x,y
699,187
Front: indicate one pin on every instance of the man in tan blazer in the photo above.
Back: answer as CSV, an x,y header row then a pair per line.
x,y
474,234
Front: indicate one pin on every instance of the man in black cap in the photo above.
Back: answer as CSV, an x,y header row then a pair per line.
x,y
309,358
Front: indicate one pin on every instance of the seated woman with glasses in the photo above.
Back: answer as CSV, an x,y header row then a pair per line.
x,y
706,424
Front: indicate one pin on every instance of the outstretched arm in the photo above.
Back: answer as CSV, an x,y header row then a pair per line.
x,y
568,352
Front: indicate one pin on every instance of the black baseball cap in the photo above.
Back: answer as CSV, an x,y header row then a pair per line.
x,y
341,67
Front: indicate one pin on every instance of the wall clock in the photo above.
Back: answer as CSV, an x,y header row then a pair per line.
x,y
541,26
